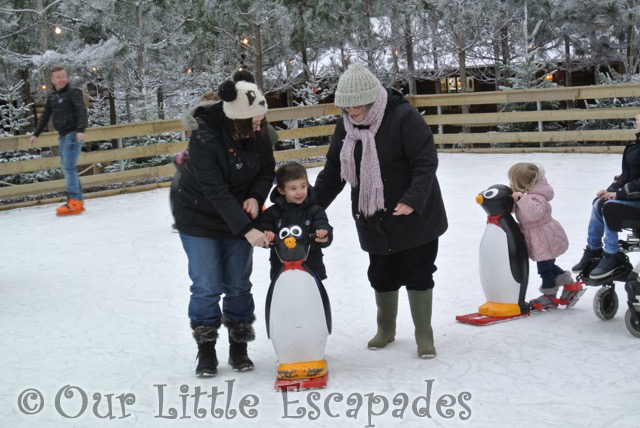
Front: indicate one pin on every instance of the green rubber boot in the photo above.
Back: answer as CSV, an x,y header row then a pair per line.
x,y
387,304
420,304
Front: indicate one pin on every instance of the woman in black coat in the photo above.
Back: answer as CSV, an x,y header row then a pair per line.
x,y
384,149
223,184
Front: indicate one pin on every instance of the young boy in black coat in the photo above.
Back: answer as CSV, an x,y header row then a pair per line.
x,y
294,203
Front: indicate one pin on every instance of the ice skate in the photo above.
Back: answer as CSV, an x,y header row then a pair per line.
x,y
544,302
72,207
571,293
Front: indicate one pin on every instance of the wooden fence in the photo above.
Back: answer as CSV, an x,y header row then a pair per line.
x,y
459,142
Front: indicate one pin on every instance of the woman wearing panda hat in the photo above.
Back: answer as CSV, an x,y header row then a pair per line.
x,y
225,181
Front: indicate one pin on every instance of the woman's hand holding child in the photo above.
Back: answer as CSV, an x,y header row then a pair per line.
x,y
257,238
251,207
270,236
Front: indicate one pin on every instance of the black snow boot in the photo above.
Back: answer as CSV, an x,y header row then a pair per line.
x,y
239,334
205,337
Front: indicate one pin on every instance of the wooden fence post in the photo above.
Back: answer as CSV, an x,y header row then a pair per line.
x,y
121,160
540,125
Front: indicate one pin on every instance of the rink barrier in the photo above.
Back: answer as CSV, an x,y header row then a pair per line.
x,y
454,143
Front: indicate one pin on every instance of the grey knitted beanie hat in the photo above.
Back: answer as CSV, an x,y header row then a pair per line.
x,y
357,87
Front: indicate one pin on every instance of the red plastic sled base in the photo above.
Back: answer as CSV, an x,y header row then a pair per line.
x,y
482,320
305,383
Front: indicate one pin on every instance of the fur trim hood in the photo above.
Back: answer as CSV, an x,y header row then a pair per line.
x,y
189,119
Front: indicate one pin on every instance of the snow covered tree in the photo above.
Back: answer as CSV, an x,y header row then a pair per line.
x,y
309,93
463,26
244,30
14,114
610,79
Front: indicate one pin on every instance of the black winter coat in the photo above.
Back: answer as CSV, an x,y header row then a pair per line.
x,y
309,215
627,184
68,110
219,175
408,163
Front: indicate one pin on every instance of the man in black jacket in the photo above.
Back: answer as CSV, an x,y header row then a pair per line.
x,y
66,105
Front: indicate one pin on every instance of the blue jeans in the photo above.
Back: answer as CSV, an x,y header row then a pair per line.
x,y
70,149
216,267
548,270
598,227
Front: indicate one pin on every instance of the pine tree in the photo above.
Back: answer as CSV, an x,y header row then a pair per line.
x,y
14,115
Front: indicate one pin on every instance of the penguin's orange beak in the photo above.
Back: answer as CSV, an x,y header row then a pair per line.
x,y
479,199
290,242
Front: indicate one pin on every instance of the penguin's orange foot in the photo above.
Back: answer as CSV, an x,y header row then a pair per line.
x,y
307,369
499,309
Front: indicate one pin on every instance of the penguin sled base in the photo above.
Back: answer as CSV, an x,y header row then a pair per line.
x,y
504,263
298,315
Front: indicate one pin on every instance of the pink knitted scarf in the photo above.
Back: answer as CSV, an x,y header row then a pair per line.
x,y
371,196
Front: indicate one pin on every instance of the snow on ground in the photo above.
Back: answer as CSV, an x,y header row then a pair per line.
x,y
93,312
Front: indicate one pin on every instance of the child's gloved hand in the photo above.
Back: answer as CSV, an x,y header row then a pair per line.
x,y
322,236
181,158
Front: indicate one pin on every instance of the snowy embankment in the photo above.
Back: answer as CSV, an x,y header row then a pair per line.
x,y
93,310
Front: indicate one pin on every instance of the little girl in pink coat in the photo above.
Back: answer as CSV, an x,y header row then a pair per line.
x,y
544,236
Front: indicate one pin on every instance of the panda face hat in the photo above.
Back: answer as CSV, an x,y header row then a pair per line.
x,y
242,99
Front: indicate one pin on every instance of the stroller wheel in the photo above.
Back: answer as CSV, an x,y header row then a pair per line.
x,y
605,303
629,321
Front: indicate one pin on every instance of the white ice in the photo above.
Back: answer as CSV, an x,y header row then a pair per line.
x,y
99,302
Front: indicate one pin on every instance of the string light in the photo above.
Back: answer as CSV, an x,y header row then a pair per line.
x,y
245,41
57,30
189,71
548,77
43,87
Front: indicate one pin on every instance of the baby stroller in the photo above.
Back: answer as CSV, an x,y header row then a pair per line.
x,y
605,302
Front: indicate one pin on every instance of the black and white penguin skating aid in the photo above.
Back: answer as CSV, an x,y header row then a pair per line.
x,y
504,261
298,315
